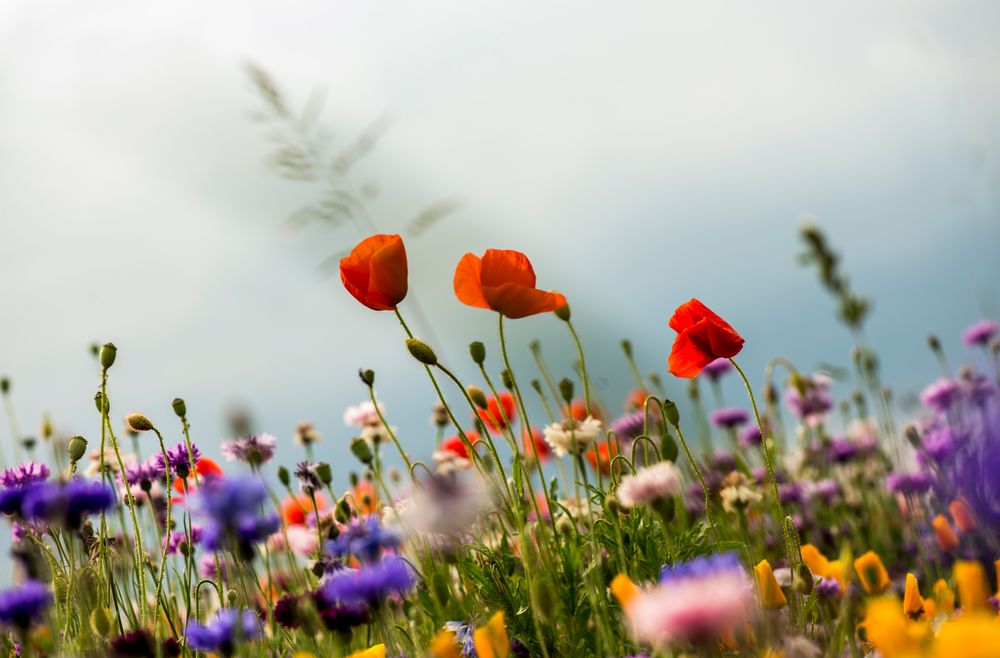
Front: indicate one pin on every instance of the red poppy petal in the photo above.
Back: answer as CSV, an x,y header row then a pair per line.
x,y
686,358
687,314
517,301
468,284
502,266
388,274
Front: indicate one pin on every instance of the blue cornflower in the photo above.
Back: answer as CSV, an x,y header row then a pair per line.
x,y
179,459
364,538
26,473
67,504
629,426
729,417
701,566
22,606
223,632
370,583
12,499
464,637
232,513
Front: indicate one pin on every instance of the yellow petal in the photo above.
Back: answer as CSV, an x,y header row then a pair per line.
x,y
491,640
771,596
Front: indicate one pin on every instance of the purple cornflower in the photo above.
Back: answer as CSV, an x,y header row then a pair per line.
x,y
827,489
750,436
629,426
370,583
843,450
22,474
223,632
308,479
464,637
939,443
977,388
339,618
365,539
729,418
940,394
810,399
908,483
793,492
232,512
179,459
716,369
981,333
254,449
829,588
67,504
178,536
22,606
723,461
144,474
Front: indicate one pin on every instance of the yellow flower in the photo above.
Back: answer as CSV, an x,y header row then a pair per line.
x,y
890,632
944,597
771,596
996,566
444,646
945,535
872,573
913,604
303,654
823,567
971,635
377,651
773,653
973,591
491,640
624,589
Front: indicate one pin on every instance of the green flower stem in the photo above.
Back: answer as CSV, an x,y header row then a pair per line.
x,y
166,529
392,435
583,365
701,479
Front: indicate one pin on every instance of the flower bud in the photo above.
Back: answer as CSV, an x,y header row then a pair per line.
x,y
283,476
421,351
100,622
324,473
76,448
671,413
934,343
367,377
566,389
627,347
507,379
138,422
108,354
102,403
476,395
478,352
342,513
537,385
912,435
563,313
362,450
4,385
231,596
668,448
95,350
179,407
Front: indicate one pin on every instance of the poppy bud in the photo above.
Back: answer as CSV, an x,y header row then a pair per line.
x,y
668,448
508,381
353,478
342,513
46,427
537,385
671,413
934,343
179,407
912,435
324,473
666,508
138,422
612,505
566,389
283,476
102,403
100,621
804,579
563,313
77,448
476,395
4,385
362,450
367,377
627,347
421,351
95,350
478,352
231,596
108,354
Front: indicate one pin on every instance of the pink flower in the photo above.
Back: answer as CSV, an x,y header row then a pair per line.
x,y
649,484
362,414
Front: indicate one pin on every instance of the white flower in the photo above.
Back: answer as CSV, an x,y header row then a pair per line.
x,y
649,484
577,508
736,493
362,414
449,462
376,433
301,540
572,436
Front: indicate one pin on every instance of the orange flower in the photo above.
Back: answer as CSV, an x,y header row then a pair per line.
x,y
913,603
963,515
578,411
601,455
541,446
295,509
771,596
874,578
945,535
365,498
204,467
498,412
375,272
503,281
702,337
973,590
624,590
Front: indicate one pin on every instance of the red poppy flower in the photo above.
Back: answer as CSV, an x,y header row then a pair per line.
x,y
636,400
497,410
455,444
296,509
503,281
578,411
375,272
205,467
601,455
541,446
702,337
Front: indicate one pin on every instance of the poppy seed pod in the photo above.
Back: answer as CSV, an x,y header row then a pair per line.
x,y
671,413
478,352
627,347
421,351
102,403
566,389
563,313
537,385
361,450
367,377
4,385
108,354
283,476
476,395
508,381
324,473
77,448
179,407
139,423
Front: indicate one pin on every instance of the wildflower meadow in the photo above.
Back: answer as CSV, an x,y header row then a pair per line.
x,y
787,523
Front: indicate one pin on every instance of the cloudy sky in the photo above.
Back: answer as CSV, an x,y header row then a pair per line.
x,y
640,154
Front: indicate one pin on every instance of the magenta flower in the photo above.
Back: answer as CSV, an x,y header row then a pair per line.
x,y
981,333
